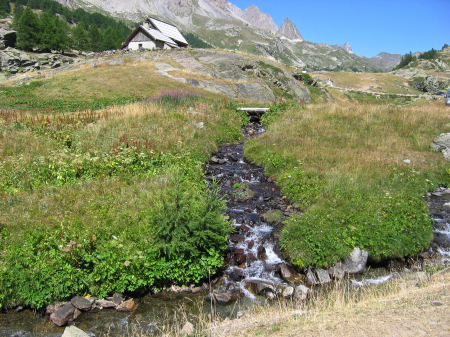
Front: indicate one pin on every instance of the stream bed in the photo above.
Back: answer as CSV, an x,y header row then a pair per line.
x,y
254,270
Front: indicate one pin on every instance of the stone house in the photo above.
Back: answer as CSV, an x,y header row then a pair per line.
x,y
155,34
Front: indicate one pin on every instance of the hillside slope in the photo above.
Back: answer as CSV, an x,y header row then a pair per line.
x,y
224,25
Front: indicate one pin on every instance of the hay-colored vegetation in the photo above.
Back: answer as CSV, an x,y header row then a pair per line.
x,y
345,166
96,202
89,87
373,82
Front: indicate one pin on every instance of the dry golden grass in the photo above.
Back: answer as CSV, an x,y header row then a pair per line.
x,y
399,308
375,82
356,137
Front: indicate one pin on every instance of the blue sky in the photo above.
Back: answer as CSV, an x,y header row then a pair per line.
x,y
370,27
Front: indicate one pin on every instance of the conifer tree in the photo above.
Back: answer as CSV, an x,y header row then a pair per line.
x,y
95,38
62,30
5,8
109,40
17,14
47,32
80,37
28,30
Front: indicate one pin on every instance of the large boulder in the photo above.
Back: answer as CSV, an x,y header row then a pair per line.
x,y
7,38
63,315
429,84
322,276
73,331
81,303
356,262
442,143
301,292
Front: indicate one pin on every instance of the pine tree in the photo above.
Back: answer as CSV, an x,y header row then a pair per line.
x,y
62,39
109,40
28,30
5,8
47,31
17,14
95,38
80,37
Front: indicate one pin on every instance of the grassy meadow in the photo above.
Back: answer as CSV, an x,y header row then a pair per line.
x,y
360,172
102,189
110,200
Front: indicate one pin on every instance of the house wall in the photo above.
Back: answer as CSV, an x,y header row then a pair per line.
x,y
141,36
145,45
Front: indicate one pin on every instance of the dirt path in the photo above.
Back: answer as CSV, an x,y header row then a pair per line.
x,y
409,310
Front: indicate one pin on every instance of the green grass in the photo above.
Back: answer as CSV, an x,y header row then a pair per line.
x,y
343,165
91,88
113,200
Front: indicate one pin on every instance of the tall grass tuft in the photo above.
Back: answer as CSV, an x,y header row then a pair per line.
x,y
360,173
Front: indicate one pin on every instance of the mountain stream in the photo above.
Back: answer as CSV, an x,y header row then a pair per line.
x,y
254,269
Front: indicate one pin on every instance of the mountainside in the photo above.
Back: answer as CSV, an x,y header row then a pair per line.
x,y
385,61
259,20
224,25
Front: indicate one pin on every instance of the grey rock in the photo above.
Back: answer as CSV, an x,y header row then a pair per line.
x,y
188,329
117,298
105,304
356,262
285,272
442,143
260,287
126,306
289,29
436,303
7,38
196,290
73,331
81,303
288,291
301,292
337,271
322,276
223,298
76,314
51,308
429,84
63,315
270,296
310,277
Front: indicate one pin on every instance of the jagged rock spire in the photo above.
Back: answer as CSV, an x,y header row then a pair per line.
x,y
289,29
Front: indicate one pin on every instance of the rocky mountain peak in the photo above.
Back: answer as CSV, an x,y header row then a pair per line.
x,y
289,30
255,17
347,47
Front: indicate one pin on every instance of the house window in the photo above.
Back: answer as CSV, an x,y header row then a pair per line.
x,y
140,46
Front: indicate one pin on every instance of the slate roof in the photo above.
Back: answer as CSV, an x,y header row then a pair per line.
x,y
168,30
157,35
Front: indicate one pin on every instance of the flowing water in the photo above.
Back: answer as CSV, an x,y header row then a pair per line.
x,y
253,257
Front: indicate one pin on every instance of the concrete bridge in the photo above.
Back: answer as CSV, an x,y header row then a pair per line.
x,y
254,113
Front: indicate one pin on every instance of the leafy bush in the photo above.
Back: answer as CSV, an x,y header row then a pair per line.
x,y
180,242
389,225
92,206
